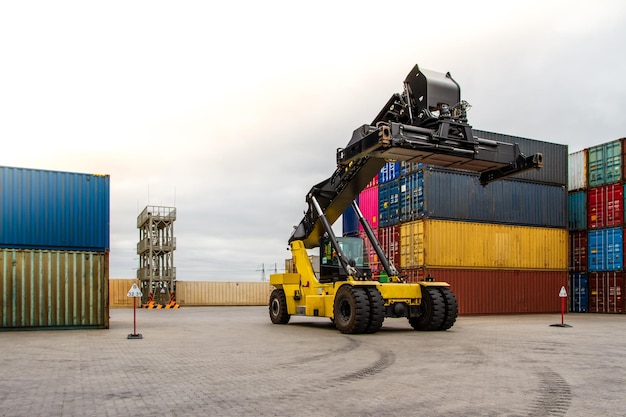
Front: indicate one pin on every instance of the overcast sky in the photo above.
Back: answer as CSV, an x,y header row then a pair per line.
x,y
231,111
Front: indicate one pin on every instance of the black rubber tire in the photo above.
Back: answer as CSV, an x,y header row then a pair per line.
x,y
452,308
278,307
433,311
351,309
377,310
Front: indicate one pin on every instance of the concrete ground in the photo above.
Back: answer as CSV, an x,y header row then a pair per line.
x,y
231,361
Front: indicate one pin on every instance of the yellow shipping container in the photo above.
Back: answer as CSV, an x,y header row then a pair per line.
x,y
453,244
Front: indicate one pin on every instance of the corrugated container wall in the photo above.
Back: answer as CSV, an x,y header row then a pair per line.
x,y
53,210
577,213
368,204
555,157
350,222
577,171
388,203
389,172
605,206
454,195
453,244
578,247
53,289
605,249
605,292
502,292
604,163
578,294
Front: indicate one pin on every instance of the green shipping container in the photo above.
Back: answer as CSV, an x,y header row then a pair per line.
x,y
605,164
53,289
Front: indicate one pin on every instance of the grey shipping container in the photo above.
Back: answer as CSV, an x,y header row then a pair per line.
x,y
53,289
53,210
439,193
555,157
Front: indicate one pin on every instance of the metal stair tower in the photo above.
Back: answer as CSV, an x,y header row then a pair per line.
x,y
156,255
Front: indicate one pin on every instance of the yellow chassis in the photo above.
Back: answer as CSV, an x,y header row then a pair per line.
x,y
305,295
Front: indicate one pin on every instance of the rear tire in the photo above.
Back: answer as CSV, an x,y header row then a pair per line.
x,y
432,309
377,310
351,309
452,308
278,307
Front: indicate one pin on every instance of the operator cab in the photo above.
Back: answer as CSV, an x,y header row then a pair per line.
x,y
354,249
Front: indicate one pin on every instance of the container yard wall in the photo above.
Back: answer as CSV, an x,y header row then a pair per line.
x,y
577,213
605,292
504,292
450,244
578,292
53,210
578,246
118,292
53,289
198,293
555,157
605,206
604,164
454,195
577,170
605,251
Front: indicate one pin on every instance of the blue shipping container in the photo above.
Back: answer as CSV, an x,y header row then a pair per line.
x,y
577,208
578,292
53,210
605,250
390,172
388,203
439,193
350,222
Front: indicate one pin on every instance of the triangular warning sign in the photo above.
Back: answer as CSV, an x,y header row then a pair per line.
x,y
134,291
563,293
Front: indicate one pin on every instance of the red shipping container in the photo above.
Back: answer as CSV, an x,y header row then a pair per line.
x,y
372,258
373,182
490,291
605,292
368,204
389,238
578,246
605,206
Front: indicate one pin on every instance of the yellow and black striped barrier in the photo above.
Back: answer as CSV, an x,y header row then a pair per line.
x,y
153,305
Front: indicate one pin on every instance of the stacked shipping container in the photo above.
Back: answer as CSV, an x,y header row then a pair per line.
x,y
596,224
502,247
54,249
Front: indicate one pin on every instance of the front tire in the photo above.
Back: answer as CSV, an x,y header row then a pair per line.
x,y
432,309
377,310
278,307
351,309
452,308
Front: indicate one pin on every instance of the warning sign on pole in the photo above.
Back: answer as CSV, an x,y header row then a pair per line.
x,y
563,295
134,291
